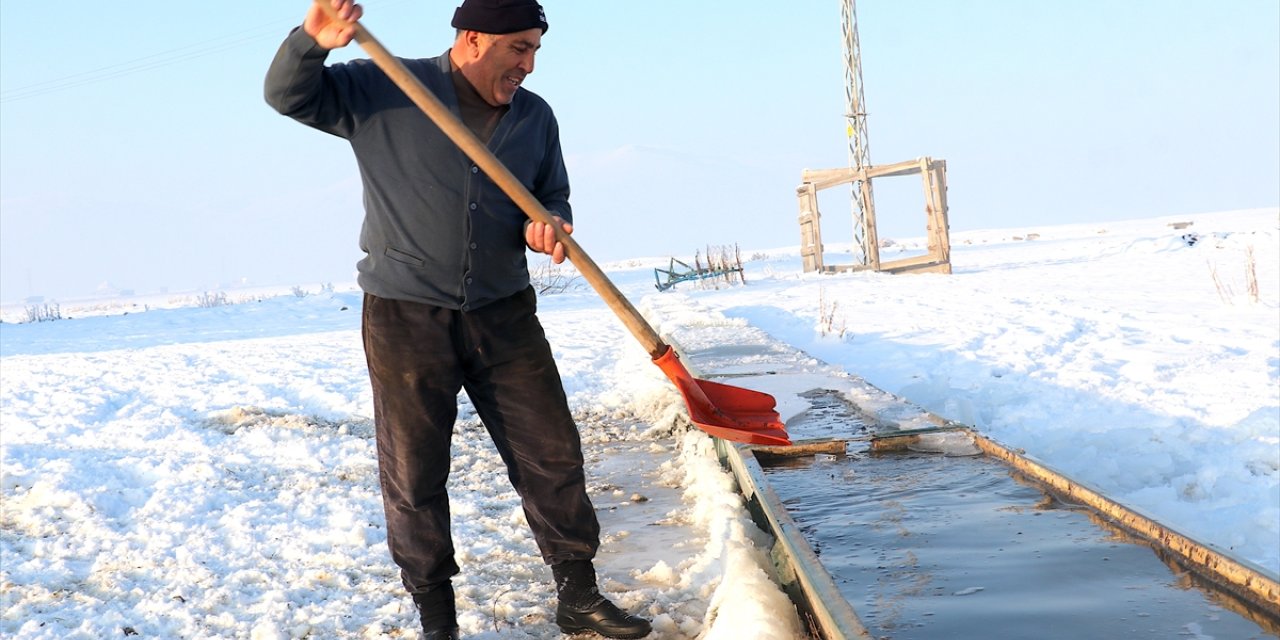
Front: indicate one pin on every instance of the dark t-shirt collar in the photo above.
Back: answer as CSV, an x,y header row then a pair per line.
x,y
479,116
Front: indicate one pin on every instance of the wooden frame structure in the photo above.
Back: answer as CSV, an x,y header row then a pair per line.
x,y
933,175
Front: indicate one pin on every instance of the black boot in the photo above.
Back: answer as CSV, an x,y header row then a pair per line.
x,y
438,612
582,608
442,634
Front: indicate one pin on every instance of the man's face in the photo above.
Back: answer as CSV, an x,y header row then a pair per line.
x,y
497,64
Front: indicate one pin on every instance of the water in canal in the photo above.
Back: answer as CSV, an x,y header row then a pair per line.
x,y
935,546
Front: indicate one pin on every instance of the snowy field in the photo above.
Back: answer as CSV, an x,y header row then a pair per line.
x,y
180,471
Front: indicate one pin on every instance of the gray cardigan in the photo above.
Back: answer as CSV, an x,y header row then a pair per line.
x,y
436,229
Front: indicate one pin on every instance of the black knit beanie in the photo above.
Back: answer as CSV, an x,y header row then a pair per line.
x,y
499,16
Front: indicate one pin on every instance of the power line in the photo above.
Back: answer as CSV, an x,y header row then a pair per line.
x,y
145,63
158,60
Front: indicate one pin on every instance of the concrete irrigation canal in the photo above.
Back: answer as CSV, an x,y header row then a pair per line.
x,y
889,522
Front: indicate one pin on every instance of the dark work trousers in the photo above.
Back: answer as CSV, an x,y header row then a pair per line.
x,y
419,357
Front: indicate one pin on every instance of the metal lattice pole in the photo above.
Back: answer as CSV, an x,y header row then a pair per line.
x,y
856,129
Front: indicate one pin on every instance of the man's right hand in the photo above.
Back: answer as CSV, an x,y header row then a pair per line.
x,y
330,33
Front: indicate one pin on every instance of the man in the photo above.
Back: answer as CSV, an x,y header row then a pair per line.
x,y
447,303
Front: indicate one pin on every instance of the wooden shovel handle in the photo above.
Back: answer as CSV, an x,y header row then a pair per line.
x,y
480,154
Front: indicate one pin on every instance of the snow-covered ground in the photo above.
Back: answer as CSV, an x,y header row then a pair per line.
x,y
208,472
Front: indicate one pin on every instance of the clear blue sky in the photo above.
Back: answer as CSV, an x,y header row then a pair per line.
x,y
135,147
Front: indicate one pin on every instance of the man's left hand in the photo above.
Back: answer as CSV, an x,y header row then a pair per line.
x,y
541,237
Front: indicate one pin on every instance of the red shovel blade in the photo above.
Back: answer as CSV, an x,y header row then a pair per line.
x,y
724,411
